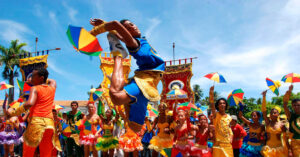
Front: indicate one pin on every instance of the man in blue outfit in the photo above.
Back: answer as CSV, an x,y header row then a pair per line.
x,y
143,87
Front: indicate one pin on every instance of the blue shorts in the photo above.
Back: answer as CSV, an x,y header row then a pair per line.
x,y
137,112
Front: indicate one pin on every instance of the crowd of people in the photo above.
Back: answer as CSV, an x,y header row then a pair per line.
x,y
40,131
219,134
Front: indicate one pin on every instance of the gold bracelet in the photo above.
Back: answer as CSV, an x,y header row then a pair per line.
x,y
98,29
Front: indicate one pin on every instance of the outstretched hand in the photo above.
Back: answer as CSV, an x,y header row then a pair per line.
x,y
96,22
264,92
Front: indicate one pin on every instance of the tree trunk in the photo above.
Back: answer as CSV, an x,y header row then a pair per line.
x,y
11,90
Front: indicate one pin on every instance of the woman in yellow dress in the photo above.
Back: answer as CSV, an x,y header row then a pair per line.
x,y
107,143
223,135
276,133
163,139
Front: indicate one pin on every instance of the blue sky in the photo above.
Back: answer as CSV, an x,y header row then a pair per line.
x,y
244,40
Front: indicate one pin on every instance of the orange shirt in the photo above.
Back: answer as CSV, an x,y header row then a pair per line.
x,y
44,102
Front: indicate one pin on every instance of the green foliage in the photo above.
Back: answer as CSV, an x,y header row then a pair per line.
x,y
10,58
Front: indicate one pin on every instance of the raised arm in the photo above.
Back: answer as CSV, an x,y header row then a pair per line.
x,y
211,101
264,107
241,116
51,83
121,30
286,99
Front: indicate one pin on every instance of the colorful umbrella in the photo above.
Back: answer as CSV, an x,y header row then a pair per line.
x,y
66,130
273,85
3,85
291,78
25,87
83,41
16,104
58,107
176,93
189,106
151,112
216,77
235,97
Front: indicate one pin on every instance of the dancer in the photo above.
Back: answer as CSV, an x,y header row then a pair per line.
x,y
294,119
181,143
107,143
9,137
143,87
146,138
89,140
275,129
130,142
256,133
72,142
163,139
202,134
223,134
40,124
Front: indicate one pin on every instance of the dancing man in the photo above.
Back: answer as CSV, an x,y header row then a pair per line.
x,y
143,87
41,129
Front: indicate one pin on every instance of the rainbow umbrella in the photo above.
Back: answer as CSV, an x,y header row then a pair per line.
x,y
216,77
273,85
25,87
189,106
235,97
291,78
58,107
83,41
151,112
95,94
3,85
66,130
176,93
16,104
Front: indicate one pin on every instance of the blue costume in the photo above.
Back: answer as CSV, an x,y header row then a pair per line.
x,y
143,87
253,147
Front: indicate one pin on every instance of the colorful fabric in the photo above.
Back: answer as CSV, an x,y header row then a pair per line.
x,y
72,119
268,151
45,102
88,140
222,150
222,127
146,57
10,138
200,151
295,125
162,140
130,141
249,150
107,143
295,146
238,134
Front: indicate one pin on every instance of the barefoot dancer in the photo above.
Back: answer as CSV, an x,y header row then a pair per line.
x,y
143,87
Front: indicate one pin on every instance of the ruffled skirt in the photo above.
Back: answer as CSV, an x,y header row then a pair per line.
x,y
200,151
106,143
280,151
159,143
183,147
10,138
248,150
88,140
130,142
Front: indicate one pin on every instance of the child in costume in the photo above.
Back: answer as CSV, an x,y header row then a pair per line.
x,y
276,133
143,87
294,120
202,133
107,143
256,132
89,138
163,139
58,127
181,143
223,133
9,136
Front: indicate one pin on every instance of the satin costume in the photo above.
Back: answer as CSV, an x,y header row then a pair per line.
x,y
222,146
130,141
253,147
161,140
201,148
295,130
10,135
107,141
143,87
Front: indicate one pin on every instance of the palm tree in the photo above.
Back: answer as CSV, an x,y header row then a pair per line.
x,y
10,58
198,93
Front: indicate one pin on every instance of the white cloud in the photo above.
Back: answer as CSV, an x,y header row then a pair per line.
x,y
154,23
52,16
12,30
71,11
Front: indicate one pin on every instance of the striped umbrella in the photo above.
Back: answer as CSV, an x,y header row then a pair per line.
x,y
151,112
216,77
189,106
273,85
291,78
83,41
3,85
235,97
176,93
